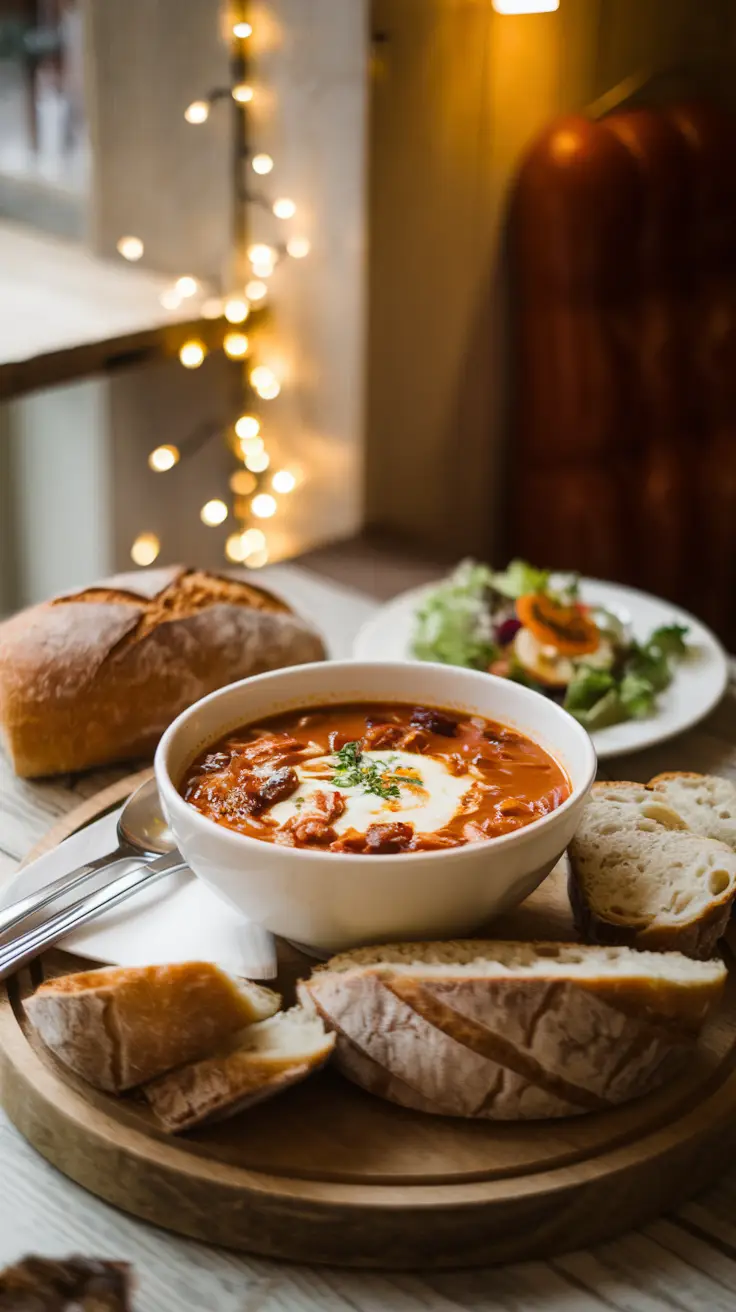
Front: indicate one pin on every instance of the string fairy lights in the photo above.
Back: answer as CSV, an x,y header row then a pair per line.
x,y
236,310
262,164
256,290
254,263
197,112
283,481
213,512
145,549
131,248
163,458
247,426
192,354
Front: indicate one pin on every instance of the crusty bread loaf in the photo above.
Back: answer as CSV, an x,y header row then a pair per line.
x,y
123,1025
96,676
640,876
266,1059
706,803
512,1031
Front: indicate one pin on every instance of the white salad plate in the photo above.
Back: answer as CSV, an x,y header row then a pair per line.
x,y
699,680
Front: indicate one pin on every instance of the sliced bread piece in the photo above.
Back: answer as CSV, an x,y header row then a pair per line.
x,y
268,1058
123,1025
706,802
512,1031
640,876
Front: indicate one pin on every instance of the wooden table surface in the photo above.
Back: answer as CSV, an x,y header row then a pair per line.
x,y
686,1261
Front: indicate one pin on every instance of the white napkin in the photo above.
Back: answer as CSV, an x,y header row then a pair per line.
x,y
178,919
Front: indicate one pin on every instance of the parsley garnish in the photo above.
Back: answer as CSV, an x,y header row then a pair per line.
x,y
353,771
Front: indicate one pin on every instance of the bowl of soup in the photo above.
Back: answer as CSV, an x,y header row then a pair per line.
x,y
342,803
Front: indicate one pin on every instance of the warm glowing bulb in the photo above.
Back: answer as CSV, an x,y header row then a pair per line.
x,y
131,248
261,163
187,286
163,458
236,310
263,506
242,30
256,290
247,426
212,308
197,112
283,481
265,383
192,354
254,540
170,299
257,558
234,549
257,461
298,247
235,345
145,549
284,208
259,253
525,6
251,446
213,513
242,93
242,483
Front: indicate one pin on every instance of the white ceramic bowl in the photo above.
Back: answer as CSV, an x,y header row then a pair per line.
x,y
329,901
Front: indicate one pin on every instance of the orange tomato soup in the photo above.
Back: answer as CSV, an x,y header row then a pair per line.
x,y
375,778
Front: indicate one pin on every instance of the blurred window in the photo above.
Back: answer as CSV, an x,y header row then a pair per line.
x,y
44,144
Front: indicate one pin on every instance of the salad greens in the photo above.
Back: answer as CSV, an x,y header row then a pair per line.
x,y
518,579
454,625
473,619
598,698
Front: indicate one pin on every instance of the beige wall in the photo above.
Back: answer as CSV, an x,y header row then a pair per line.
x,y
462,92
153,174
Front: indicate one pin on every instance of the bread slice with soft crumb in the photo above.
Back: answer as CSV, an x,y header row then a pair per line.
x,y
122,1025
640,876
268,1058
706,803
512,1031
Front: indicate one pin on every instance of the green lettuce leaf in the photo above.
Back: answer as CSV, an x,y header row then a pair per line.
x,y
609,709
518,579
650,664
637,696
454,626
669,640
587,688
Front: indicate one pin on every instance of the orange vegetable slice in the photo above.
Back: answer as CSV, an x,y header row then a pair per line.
x,y
566,628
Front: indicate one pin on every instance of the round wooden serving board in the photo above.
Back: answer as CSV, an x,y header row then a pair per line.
x,y
327,1173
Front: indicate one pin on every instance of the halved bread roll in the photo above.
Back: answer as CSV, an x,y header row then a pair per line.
x,y
640,876
511,1031
705,802
266,1059
122,1025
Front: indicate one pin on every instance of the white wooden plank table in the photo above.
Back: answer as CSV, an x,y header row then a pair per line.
x,y
685,1262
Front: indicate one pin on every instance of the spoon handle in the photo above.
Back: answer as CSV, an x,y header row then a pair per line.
x,y
28,945
25,906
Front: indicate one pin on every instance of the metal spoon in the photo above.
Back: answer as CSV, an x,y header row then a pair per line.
x,y
142,836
